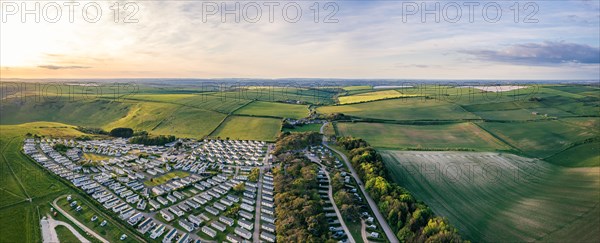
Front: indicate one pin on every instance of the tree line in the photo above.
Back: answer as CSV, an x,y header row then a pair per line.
x,y
412,220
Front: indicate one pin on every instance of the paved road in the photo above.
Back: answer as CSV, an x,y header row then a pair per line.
x,y
389,233
49,231
330,194
256,237
363,231
76,222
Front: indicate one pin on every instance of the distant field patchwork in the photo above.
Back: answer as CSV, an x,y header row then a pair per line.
x,y
495,197
438,137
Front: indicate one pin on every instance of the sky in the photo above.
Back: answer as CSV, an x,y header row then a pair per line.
x,y
344,39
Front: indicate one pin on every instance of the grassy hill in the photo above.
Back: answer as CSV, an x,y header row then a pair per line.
x,y
85,113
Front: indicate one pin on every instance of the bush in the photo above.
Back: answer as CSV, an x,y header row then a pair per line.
x,y
121,132
158,140
61,148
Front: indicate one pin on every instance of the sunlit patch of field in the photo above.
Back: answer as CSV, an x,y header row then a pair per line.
x,y
357,87
372,96
494,197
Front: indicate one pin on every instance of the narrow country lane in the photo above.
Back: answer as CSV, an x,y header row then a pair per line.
x,y
389,233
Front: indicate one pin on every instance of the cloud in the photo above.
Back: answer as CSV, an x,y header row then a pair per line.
x,y
55,67
546,53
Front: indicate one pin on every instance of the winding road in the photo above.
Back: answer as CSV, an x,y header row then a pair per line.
x,y
330,194
49,231
389,233
76,222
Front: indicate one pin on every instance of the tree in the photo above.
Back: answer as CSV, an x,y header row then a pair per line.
x,y
61,148
121,132
337,182
254,173
239,188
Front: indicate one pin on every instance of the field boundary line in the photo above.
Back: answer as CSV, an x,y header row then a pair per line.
x,y
499,138
217,127
240,107
12,171
12,193
568,223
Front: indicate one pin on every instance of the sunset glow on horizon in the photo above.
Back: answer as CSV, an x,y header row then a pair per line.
x,y
370,40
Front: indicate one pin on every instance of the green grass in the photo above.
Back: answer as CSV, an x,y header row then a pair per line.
x,y
96,157
21,179
248,128
437,137
402,109
164,178
169,119
540,139
112,231
260,108
502,198
585,155
65,235
304,128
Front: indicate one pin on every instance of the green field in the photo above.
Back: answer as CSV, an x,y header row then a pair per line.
x,y
585,155
164,178
21,179
248,128
65,235
305,128
276,109
493,197
540,139
402,109
436,137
